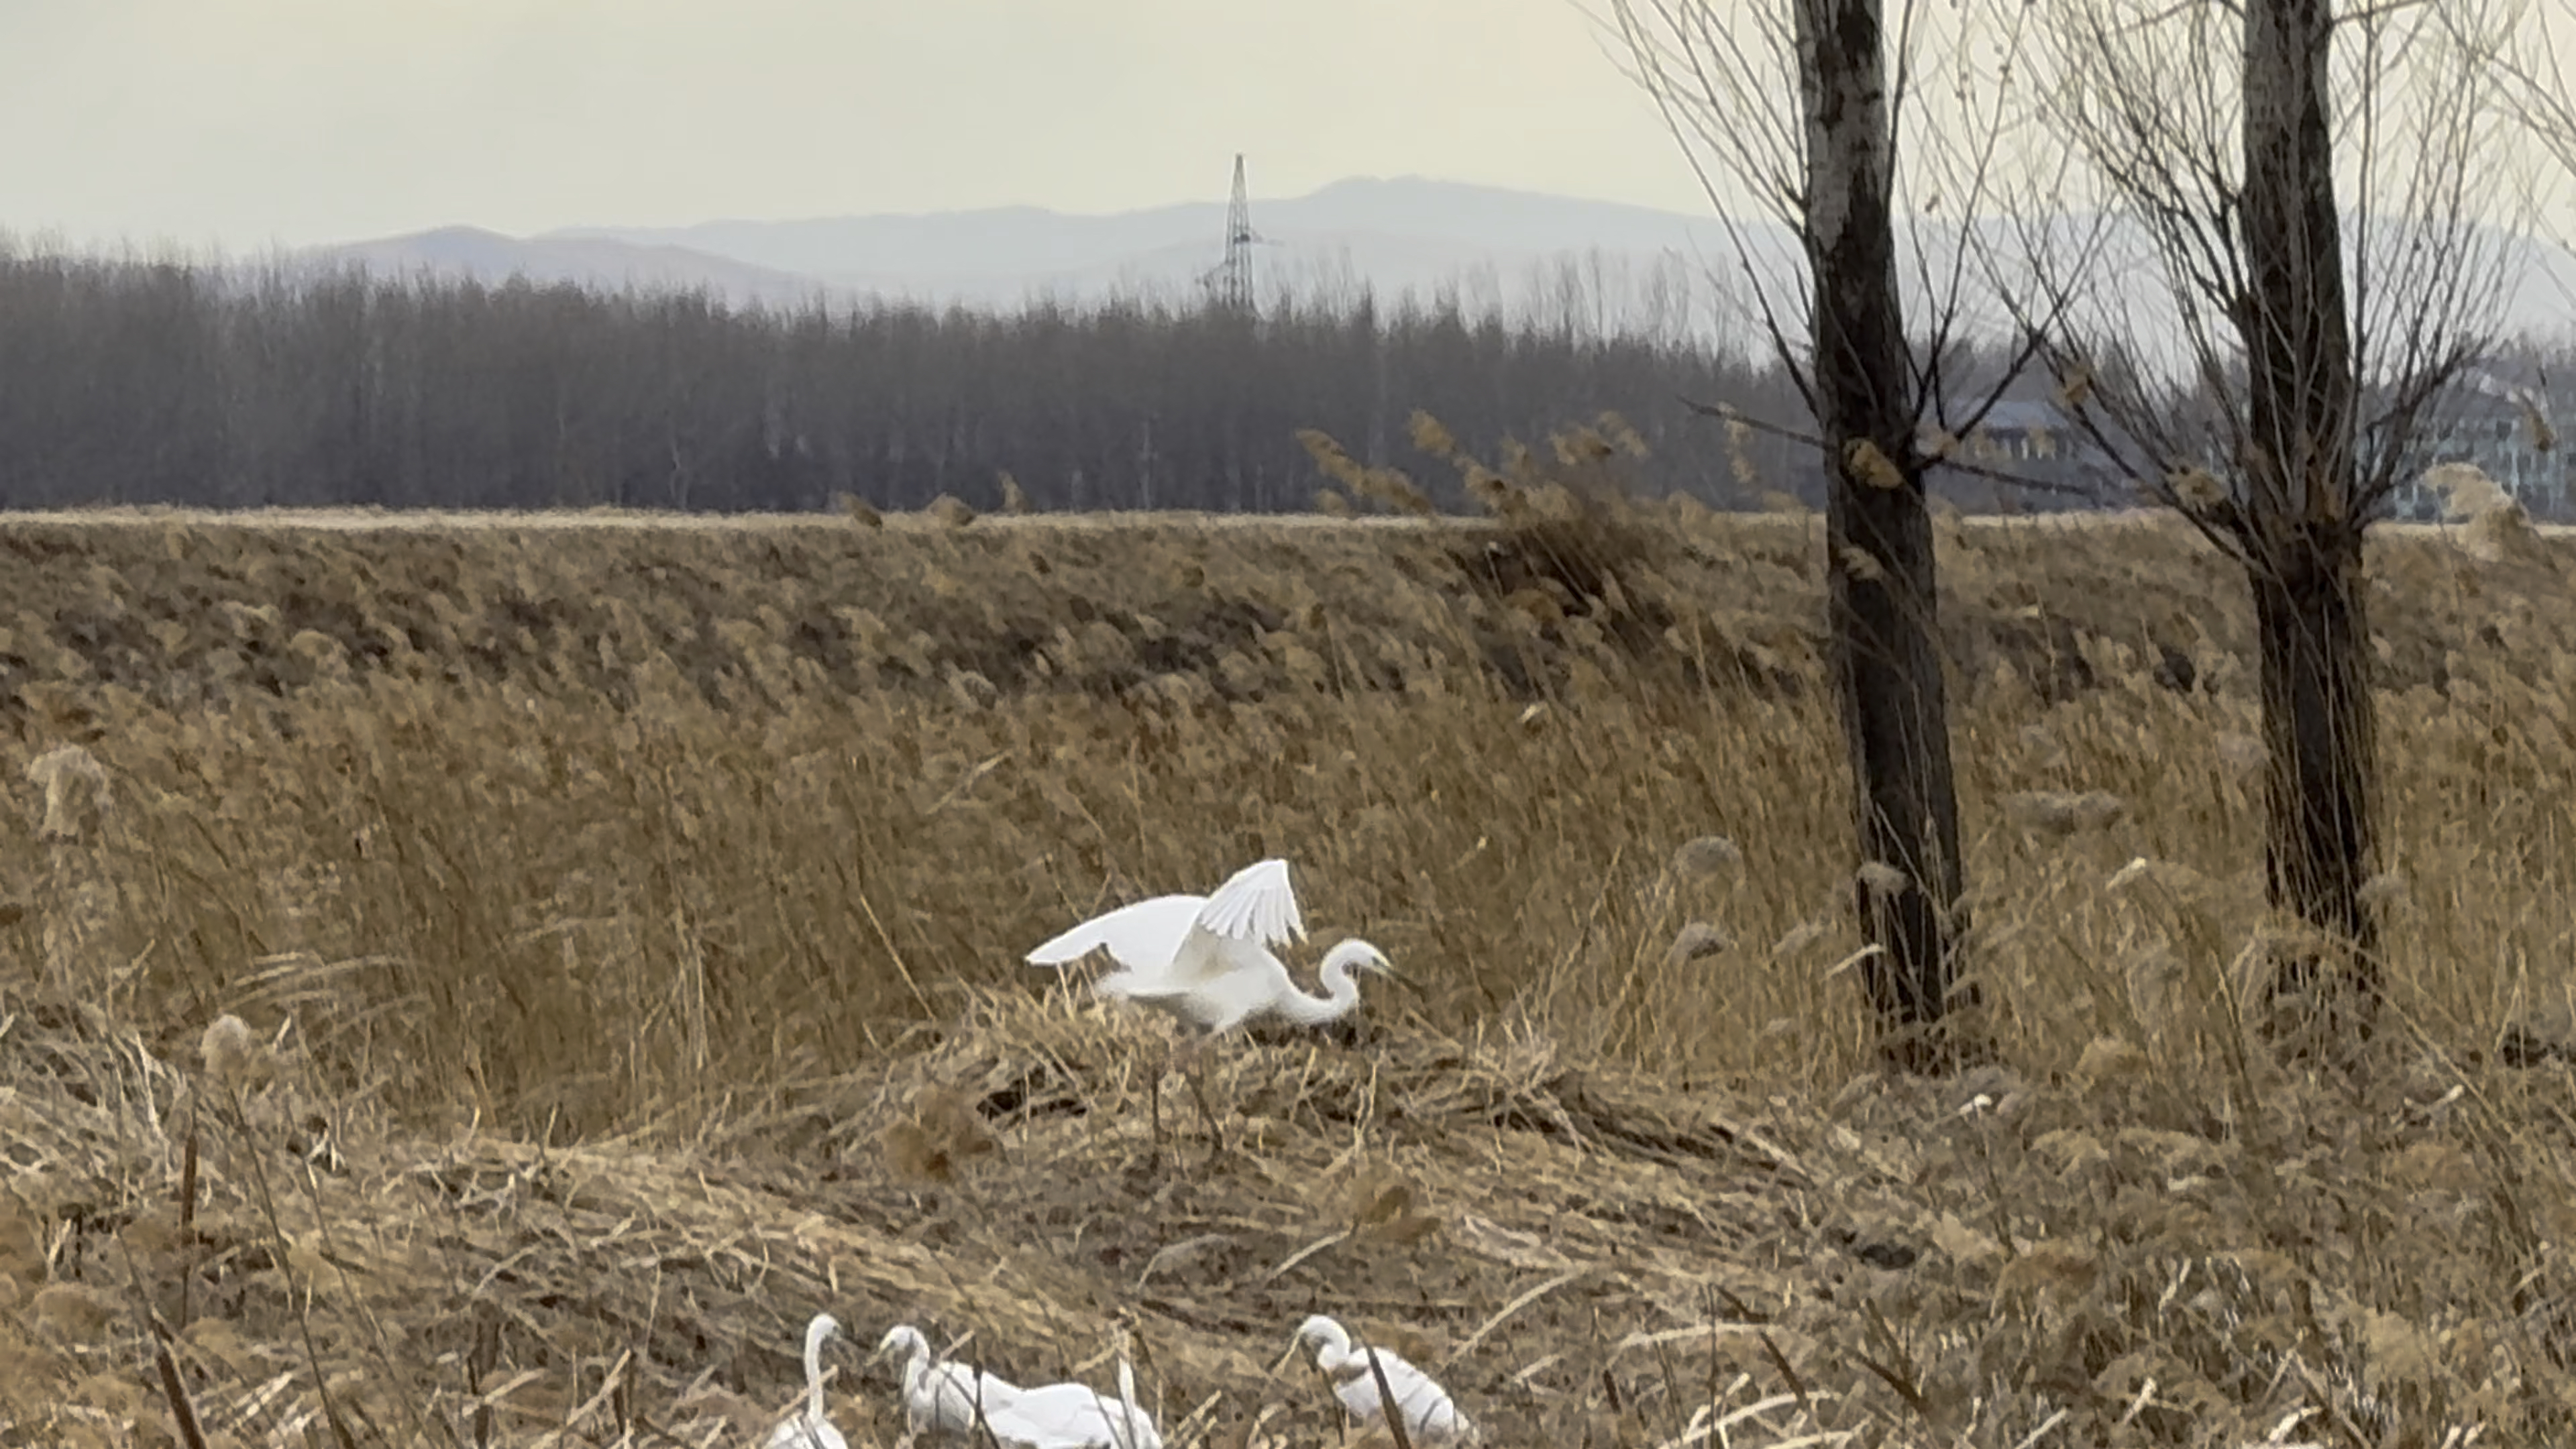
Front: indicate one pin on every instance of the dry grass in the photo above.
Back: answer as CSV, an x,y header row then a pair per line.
x,y
627,924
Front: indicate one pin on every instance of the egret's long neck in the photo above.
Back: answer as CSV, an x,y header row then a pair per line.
x,y
1341,993
814,1378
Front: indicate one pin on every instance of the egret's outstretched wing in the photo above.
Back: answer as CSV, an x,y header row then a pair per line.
x,y
1144,937
1255,904
1232,933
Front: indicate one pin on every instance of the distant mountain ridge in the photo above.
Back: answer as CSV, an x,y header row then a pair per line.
x,y
1609,266
1395,235
1024,239
490,256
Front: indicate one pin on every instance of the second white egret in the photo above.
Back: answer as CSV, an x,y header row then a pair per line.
x,y
810,1427
1076,1416
1430,1417
939,1396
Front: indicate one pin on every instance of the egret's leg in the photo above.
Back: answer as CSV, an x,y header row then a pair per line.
x,y
1215,1133
1196,1056
1154,1102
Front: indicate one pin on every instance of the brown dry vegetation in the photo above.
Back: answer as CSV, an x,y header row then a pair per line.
x,y
629,922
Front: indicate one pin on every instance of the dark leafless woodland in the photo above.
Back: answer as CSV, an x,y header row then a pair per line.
x,y
130,381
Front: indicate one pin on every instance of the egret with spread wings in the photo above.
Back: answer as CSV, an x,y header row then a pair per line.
x,y
1207,960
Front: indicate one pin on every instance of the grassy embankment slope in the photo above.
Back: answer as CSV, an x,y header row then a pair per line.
x,y
636,913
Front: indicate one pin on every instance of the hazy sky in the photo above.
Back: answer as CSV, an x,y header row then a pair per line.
x,y
246,121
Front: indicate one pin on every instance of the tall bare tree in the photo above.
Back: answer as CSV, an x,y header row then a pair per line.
x,y
2298,347
1807,109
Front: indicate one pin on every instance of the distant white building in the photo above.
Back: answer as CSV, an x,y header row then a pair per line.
x,y
2033,439
2500,418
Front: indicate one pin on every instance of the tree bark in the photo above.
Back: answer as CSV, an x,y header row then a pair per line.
x,y
1881,602
2321,734
2302,524
2295,324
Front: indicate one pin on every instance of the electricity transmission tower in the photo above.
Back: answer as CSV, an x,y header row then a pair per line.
x,y
1231,282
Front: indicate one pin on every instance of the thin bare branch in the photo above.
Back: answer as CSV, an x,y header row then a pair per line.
x,y
1726,413
1724,77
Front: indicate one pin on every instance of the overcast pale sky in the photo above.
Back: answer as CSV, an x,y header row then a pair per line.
x,y
300,121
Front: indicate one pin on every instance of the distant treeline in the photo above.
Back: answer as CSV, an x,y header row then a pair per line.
x,y
132,381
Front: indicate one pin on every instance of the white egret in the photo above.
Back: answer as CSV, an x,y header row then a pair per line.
x,y
1076,1416
1080,1419
1206,960
939,1396
1429,1415
811,1426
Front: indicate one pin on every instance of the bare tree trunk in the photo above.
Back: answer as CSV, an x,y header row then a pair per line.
x,y
2321,733
1882,599
2230,177
2303,542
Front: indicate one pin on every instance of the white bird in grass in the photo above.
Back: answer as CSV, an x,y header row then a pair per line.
x,y
1076,1416
1206,961
1429,1415
938,1396
811,1426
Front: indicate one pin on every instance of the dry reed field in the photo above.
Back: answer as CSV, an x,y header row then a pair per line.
x,y
626,924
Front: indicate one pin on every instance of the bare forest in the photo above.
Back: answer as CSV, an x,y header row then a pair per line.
x,y
132,381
